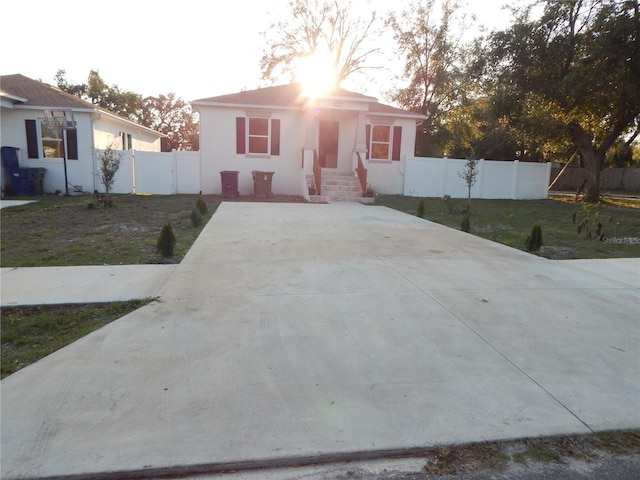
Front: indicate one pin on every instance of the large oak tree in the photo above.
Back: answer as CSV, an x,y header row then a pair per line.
x,y
580,60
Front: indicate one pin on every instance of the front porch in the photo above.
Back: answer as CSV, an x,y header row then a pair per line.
x,y
333,155
337,187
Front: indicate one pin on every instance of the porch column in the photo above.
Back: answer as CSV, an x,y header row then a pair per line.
x,y
361,135
310,137
360,141
310,129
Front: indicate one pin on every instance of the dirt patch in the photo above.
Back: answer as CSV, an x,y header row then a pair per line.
x,y
498,456
489,229
262,198
558,253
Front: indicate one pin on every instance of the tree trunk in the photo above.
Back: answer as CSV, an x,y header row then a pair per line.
x,y
593,162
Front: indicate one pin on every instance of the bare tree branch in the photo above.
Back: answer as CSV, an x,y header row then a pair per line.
x,y
321,24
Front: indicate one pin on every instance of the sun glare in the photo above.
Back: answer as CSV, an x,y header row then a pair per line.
x,y
317,74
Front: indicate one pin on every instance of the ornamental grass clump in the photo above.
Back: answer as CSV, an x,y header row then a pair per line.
x,y
166,241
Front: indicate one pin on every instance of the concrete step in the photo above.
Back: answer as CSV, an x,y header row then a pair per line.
x,y
342,188
331,172
355,192
346,183
334,199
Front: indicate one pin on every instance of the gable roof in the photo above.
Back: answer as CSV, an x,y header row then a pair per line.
x,y
38,94
25,92
290,96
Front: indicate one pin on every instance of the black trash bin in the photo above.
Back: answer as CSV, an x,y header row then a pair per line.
x,y
36,177
229,179
24,181
262,183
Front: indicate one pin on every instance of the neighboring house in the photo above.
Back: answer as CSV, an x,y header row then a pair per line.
x,y
23,102
279,129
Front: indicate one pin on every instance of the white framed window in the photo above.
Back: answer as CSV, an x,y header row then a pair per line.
x,y
258,135
384,141
46,142
380,142
51,140
127,141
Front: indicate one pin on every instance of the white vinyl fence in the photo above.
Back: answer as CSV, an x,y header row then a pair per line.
x,y
178,172
161,173
437,177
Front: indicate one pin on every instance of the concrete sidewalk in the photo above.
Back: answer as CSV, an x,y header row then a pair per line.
x,y
296,331
88,284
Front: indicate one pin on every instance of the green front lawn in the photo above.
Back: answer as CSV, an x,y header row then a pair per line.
x,y
510,222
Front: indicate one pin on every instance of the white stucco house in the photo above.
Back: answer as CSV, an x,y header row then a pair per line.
x,y
305,141
23,102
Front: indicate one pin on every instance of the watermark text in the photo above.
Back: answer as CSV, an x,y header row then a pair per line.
x,y
621,240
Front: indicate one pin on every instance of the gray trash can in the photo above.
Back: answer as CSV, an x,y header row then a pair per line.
x,y
262,183
229,180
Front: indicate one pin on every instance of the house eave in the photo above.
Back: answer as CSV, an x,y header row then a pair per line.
x,y
412,116
129,122
251,106
95,111
14,98
49,107
246,105
345,98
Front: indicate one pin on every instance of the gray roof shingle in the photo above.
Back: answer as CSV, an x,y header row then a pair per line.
x,y
290,95
44,96
40,94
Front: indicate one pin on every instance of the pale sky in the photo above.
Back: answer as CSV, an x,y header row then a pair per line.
x,y
192,48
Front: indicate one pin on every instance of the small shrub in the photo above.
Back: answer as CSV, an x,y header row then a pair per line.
x,y
590,225
201,205
196,217
449,203
166,241
534,241
469,175
465,225
369,192
109,163
421,208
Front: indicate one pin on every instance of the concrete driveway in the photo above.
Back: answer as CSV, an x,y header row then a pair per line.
x,y
301,330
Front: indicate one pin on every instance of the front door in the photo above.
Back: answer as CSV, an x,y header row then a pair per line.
x,y
328,143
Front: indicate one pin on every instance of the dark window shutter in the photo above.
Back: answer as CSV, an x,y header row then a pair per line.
x,y
275,136
397,141
240,135
368,136
32,138
72,144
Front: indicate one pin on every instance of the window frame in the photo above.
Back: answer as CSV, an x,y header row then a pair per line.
x,y
272,137
249,136
126,140
394,152
42,139
388,143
